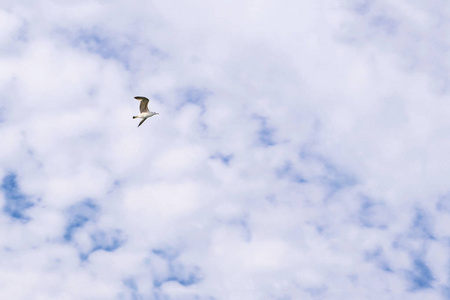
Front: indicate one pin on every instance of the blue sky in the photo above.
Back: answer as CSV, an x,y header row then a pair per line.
x,y
301,150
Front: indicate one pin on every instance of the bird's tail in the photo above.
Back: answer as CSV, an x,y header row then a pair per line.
x,y
134,117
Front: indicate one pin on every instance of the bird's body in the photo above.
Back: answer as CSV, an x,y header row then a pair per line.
x,y
145,113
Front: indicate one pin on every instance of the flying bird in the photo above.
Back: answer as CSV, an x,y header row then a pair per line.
x,y
145,113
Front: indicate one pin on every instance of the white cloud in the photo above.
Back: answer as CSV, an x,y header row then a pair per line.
x,y
300,151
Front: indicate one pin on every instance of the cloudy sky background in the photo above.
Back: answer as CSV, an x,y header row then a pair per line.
x,y
301,151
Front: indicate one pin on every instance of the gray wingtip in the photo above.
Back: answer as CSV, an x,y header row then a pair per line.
x,y
140,98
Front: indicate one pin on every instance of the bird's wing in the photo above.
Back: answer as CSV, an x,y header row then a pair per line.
x,y
143,120
144,103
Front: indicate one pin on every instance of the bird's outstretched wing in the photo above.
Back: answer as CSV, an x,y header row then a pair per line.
x,y
143,120
144,103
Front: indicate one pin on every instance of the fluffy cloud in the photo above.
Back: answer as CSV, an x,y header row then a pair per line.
x,y
300,151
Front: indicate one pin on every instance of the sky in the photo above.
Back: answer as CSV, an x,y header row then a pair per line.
x,y
301,150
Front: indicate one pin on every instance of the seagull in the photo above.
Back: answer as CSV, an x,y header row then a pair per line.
x,y
145,113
